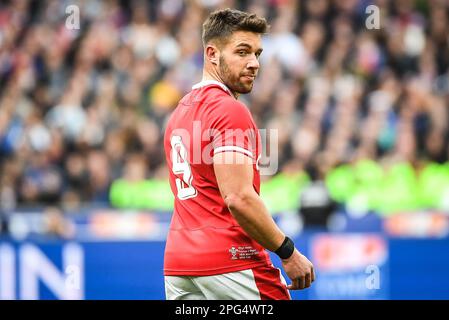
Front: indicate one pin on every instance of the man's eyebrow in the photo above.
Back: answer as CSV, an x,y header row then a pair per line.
x,y
243,44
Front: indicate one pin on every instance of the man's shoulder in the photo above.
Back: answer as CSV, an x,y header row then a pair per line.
x,y
215,93
209,95
213,103
221,102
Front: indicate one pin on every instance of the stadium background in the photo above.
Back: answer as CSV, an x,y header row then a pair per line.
x,y
362,116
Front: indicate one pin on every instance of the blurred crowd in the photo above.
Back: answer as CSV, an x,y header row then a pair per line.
x,y
83,108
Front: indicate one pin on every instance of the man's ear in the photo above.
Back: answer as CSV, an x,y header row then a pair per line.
x,y
212,54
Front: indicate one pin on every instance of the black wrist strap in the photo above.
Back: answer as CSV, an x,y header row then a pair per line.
x,y
286,249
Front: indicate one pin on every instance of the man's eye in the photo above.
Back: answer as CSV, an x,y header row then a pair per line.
x,y
242,53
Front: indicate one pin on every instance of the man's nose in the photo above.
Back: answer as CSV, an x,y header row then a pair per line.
x,y
253,63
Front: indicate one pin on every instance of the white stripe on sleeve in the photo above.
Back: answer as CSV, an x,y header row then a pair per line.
x,y
233,148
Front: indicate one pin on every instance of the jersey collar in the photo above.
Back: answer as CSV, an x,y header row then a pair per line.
x,y
206,83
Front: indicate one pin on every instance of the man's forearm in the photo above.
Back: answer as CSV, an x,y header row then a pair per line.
x,y
252,215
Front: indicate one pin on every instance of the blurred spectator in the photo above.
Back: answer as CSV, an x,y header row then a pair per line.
x,y
41,181
317,205
133,190
56,225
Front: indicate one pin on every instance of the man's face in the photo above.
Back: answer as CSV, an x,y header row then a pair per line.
x,y
239,61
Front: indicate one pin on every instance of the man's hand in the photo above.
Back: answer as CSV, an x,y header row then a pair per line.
x,y
300,270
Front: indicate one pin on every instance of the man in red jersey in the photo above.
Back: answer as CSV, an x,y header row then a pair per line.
x,y
220,227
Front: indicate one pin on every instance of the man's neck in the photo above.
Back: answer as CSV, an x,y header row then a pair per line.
x,y
212,76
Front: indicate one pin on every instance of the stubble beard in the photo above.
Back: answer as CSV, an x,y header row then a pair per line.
x,y
231,81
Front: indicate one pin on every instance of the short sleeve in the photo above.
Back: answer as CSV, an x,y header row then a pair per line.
x,y
232,128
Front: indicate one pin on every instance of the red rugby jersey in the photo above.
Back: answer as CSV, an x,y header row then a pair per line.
x,y
204,238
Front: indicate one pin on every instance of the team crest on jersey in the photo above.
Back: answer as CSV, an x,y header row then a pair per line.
x,y
233,251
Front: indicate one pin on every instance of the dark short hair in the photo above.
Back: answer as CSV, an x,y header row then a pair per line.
x,y
222,23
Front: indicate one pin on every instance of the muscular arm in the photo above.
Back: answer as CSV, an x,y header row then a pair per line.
x,y
234,173
235,181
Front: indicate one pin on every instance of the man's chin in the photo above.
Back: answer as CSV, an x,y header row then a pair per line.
x,y
240,87
243,89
